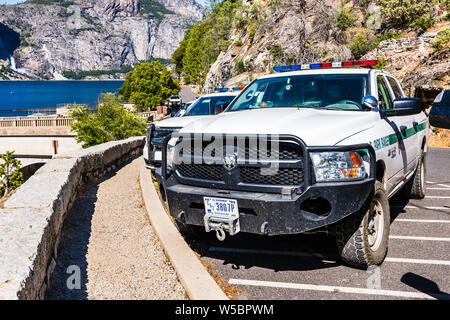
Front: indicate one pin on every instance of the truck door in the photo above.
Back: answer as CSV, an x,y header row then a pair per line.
x,y
410,136
393,150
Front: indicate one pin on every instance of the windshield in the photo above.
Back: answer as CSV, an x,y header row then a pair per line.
x,y
205,105
327,91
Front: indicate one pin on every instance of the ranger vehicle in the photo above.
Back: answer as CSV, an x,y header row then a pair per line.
x,y
316,147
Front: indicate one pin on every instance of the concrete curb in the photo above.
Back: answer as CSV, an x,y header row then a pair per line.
x,y
197,282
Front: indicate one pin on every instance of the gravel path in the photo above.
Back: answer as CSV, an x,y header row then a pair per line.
x,y
109,236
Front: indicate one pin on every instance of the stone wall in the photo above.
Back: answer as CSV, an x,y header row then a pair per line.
x,y
31,220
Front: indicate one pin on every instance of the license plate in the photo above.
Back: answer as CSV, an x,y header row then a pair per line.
x,y
221,208
157,155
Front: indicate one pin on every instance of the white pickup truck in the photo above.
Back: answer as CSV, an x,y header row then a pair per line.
x,y
315,147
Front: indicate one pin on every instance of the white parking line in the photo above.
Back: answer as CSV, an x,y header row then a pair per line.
x,y
438,197
438,189
424,221
414,207
328,258
419,238
302,286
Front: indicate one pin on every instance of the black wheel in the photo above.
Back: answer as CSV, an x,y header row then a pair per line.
x,y
416,188
362,238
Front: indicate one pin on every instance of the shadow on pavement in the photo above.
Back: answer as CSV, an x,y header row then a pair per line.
x,y
424,285
278,253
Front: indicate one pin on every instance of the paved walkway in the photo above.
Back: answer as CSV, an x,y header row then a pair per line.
x,y
109,237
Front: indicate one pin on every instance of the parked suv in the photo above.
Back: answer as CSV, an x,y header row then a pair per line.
x,y
207,105
318,146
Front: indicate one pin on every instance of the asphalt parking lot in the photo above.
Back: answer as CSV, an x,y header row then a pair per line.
x,y
307,267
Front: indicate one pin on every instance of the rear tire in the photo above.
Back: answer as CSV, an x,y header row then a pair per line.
x,y
362,238
416,188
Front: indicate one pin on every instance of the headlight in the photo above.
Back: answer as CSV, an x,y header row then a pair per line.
x,y
171,151
332,166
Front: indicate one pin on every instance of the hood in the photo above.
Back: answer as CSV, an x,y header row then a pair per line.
x,y
314,126
178,122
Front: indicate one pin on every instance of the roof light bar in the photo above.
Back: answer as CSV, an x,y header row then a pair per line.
x,y
237,88
222,89
356,63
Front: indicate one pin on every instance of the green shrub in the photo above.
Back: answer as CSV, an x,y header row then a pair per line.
x,y
423,23
239,43
360,45
240,66
112,121
10,175
345,19
402,13
442,40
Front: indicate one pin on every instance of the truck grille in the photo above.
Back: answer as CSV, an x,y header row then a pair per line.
x,y
283,176
288,173
201,171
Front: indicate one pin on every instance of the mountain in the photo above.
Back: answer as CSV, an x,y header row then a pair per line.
x,y
49,38
259,34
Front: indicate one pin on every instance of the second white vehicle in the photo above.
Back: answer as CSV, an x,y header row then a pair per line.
x,y
207,105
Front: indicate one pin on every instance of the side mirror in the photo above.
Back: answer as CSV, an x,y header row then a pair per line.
x,y
219,107
370,102
403,107
440,110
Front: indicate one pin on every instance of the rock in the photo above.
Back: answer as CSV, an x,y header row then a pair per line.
x,y
92,35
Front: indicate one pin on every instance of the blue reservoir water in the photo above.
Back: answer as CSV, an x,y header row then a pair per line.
x,y
22,95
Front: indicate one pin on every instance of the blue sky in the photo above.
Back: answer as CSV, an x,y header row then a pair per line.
x,y
17,1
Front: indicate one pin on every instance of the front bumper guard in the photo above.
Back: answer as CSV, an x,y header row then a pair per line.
x,y
272,213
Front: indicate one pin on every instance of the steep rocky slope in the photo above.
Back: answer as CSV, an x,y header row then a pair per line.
x,y
82,35
286,32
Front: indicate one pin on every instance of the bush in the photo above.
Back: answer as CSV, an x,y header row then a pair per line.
x,y
423,23
361,44
112,121
345,19
10,175
240,66
442,40
401,13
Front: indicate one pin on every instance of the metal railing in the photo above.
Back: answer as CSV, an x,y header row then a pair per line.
x,y
38,121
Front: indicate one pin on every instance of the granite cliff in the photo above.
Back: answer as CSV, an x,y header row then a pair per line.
x,y
46,40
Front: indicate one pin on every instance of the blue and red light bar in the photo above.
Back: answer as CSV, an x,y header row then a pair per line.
x,y
325,65
228,89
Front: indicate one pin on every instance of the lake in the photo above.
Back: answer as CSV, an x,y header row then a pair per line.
x,y
21,95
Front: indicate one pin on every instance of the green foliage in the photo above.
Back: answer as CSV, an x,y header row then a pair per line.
x,y
423,23
361,43
240,66
154,8
5,71
150,84
112,121
10,175
50,2
402,13
386,36
95,73
442,40
209,37
345,18
178,54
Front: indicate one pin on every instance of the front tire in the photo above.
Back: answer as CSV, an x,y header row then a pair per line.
x,y
362,238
